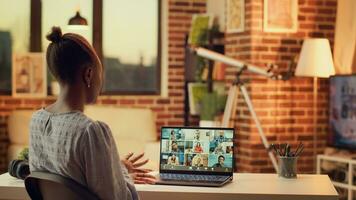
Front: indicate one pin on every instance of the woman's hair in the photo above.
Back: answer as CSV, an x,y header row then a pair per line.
x,y
67,54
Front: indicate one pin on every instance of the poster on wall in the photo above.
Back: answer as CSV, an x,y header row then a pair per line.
x,y
235,16
29,75
280,16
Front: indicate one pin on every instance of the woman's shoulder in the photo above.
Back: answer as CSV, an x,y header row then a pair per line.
x,y
75,119
97,130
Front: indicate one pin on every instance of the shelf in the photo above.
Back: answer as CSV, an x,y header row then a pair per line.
x,y
349,186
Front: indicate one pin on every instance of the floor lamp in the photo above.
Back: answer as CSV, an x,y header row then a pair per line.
x,y
315,61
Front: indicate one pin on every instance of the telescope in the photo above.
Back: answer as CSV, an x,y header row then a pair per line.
x,y
231,100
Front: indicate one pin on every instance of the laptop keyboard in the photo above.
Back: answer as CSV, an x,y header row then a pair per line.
x,y
192,177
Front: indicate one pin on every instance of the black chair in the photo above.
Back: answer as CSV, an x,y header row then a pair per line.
x,y
44,185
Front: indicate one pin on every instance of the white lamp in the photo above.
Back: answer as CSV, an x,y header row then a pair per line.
x,y
315,61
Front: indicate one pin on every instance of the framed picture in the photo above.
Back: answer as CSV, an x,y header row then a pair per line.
x,y
280,16
196,92
235,16
29,77
201,23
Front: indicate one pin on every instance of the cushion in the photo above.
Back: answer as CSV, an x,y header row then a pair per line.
x,y
19,125
137,124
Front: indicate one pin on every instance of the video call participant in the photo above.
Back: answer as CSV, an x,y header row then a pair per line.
x,y
174,146
198,148
173,160
173,135
197,135
220,162
219,149
197,161
221,137
229,150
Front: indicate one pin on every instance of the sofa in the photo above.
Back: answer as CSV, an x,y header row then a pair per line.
x,y
133,129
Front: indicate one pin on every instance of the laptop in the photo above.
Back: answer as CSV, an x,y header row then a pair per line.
x,y
196,156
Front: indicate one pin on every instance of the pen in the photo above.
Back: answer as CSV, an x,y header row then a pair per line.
x,y
287,150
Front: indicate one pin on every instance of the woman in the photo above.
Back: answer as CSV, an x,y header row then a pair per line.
x,y
65,141
198,148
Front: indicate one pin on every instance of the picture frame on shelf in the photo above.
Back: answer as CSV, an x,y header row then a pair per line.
x,y
280,16
235,16
198,90
29,75
201,24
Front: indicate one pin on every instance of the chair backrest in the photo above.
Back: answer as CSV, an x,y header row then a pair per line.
x,y
44,185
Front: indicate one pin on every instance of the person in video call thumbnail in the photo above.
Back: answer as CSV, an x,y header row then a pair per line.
x,y
174,146
197,161
221,137
219,149
198,148
220,162
173,160
173,135
197,135
229,150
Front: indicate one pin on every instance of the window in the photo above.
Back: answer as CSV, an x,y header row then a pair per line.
x,y
14,36
131,52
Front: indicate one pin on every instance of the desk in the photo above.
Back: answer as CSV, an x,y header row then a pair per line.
x,y
244,186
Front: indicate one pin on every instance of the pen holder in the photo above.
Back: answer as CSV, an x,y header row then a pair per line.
x,y
287,167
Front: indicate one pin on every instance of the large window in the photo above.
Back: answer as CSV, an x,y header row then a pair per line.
x,y
14,36
131,46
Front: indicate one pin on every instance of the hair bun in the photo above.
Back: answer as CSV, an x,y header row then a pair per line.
x,y
55,35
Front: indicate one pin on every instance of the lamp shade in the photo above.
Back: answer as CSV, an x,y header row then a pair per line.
x,y
78,20
315,59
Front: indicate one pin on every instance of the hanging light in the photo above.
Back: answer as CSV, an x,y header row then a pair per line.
x,y
77,20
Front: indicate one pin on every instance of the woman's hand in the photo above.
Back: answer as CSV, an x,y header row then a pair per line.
x,y
132,163
139,175
143,178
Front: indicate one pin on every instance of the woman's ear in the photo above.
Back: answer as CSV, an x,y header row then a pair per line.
x,y
88,76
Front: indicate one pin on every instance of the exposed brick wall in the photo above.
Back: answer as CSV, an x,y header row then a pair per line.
x,y
285,108
169,111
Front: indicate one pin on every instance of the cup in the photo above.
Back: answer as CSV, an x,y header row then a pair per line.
x,y
287,167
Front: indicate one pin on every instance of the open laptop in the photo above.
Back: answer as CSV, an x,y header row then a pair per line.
x,y
196,156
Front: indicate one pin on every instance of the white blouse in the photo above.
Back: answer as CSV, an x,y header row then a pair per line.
x,y
75,146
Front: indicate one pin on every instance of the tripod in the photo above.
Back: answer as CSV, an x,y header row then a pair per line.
x,y
231,102
238,84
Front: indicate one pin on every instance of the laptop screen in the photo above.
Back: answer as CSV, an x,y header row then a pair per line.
x,y
197,149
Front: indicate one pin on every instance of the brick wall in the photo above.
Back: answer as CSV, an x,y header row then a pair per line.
x,y
285,108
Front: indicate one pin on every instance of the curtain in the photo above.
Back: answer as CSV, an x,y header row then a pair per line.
x,y
345,37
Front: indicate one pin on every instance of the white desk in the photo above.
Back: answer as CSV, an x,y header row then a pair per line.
x,y
244,186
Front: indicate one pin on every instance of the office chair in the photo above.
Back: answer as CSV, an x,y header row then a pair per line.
x,y
44,186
